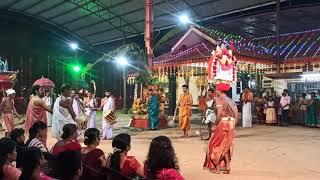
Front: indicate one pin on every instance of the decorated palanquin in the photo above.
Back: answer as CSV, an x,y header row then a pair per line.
x,y
222,67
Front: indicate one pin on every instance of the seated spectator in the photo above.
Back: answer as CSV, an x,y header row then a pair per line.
x,y
119,159
38,136
69,140
69,163
161,163
32,161
7,155
17,135
92,156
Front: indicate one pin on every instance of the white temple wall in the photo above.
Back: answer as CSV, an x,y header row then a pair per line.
x,y
192,88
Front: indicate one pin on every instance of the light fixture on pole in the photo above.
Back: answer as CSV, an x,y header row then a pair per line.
x,y
74,46
76,68
122,61
184,19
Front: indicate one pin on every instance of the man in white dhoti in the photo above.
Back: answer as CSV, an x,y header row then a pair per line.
x,y
77,103
210,114
48,101
107,104
247,98
62,111
90,104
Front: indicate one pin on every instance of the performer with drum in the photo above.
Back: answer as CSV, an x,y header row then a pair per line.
x,y
77,103
210,116
90,104
108,107
62,111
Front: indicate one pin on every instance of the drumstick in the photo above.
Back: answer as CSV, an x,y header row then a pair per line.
x,y
174,115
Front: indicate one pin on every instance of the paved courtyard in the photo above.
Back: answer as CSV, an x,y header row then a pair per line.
x,y
261,152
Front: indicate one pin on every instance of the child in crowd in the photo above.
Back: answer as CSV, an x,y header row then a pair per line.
x,y
271,117
38,136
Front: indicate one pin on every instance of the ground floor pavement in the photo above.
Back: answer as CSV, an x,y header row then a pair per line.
x,y
261,152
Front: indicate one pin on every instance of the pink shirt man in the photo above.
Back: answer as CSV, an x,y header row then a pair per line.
x,y
284,101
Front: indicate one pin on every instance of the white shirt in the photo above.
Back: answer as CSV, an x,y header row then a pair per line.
x,y
109,105
284,101
47,100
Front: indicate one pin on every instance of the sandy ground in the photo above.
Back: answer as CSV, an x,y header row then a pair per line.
x,y
261,152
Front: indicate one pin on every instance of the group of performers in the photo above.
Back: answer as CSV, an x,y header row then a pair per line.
x,y
68,108
220,112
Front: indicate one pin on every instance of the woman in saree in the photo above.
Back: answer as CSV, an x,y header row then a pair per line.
x,y
92,156
153,109
120,161
69,140
312,120
220,146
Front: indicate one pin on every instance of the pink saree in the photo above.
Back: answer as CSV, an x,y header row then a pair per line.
x,y
34,114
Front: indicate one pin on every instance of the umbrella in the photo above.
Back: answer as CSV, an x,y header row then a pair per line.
x,y
44,82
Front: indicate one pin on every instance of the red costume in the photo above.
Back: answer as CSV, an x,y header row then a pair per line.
x,y
222,70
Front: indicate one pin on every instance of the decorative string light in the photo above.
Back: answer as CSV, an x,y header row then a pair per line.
x,y
309,48
30,72
294,47
180,54
302,47
289,34
21,75
312,65
48,67
317,51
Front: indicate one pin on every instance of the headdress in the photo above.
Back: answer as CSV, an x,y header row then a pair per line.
x,y
10,91
222,68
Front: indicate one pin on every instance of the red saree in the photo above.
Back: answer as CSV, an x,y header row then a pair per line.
x,y
221,142
92,165
68,146
130,167
92,159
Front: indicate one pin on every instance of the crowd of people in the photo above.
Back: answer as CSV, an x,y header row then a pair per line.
x,y
271,109
67,160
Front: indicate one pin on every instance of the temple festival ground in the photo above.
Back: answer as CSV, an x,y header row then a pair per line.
x,y
261,152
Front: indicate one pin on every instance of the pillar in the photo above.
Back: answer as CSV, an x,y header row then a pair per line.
x,y
172,94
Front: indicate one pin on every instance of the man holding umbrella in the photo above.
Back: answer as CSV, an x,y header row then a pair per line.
x,y
37,108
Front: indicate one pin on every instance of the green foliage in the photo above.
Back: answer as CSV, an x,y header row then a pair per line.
x,y
145,77
168,36
132,51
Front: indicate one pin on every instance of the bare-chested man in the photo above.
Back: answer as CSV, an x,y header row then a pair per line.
x,y
63,112
37,108
8,110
